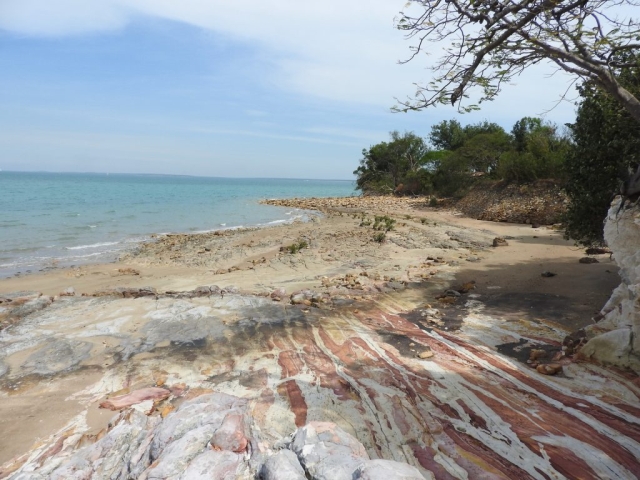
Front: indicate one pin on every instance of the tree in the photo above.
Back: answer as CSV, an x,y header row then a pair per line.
x,y
387,165
447,135
492,41
606,144
483,151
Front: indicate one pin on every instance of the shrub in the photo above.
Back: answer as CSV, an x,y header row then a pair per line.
x,y
384,223
380,237
296,246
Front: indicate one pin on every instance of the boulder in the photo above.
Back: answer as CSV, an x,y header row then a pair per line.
x,y
588,260
327,452
212,464
616,338
500,242
284,465
231,434
387,470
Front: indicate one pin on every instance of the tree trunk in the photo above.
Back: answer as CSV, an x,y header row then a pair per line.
x,y
616,338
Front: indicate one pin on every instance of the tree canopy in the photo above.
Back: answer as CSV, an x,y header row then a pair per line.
x,y
387,165
489,42
460,156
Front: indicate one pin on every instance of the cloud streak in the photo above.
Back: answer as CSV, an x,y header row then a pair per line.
x,y
344,51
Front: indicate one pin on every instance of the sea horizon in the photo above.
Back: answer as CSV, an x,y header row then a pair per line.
x,y
178,175
60,219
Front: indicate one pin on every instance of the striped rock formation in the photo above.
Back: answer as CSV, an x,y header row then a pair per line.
x,y
240,373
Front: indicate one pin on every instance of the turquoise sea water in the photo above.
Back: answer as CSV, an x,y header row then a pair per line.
x,y
61,219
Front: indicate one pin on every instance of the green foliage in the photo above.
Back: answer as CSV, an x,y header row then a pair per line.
x,y
447,135
384,223
464,154
380,237
395,166
296,246
606,144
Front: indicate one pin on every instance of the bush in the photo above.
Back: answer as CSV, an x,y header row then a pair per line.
x,y
296,247
383,223
380,237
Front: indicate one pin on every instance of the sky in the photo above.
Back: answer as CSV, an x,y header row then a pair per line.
x,y
227,88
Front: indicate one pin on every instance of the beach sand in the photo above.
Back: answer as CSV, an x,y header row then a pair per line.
x,y
363,290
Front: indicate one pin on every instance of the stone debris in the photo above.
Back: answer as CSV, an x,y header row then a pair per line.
x,y
500,242
588,260
542,202
68,292
128,271
426,354
548,274
549,369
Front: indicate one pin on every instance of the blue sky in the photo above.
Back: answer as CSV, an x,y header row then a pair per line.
x,y
270,88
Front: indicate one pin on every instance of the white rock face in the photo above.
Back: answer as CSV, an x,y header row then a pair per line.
x,y
616,338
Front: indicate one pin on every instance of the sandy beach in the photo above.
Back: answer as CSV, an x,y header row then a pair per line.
x,y
334,332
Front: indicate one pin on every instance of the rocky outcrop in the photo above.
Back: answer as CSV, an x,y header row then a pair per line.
x,y
541,202
616,338
214,386
205,438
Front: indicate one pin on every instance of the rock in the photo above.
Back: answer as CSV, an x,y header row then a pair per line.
x,y
500,242
548,274
297,299
396,285
201,291
284,465
387,470
137,396
139,292
535,225
536,354
426,354
57,355
473,259
278,294
549,369
230,435
128,271
451,293
216,465
29,306
588,260
614,347
68,292
327,452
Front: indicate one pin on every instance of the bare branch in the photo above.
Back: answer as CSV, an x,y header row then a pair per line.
x,y
492,41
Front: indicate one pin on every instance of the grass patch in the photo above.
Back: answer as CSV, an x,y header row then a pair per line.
x,y
295,247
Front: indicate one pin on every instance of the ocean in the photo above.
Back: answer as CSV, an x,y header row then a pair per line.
x,y
49,220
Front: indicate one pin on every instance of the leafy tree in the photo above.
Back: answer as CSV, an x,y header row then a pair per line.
x,y
489,42
522,131
386,166
447,135
483,151
606,144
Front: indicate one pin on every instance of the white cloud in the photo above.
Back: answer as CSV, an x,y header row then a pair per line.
x,y
341,50
60,17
